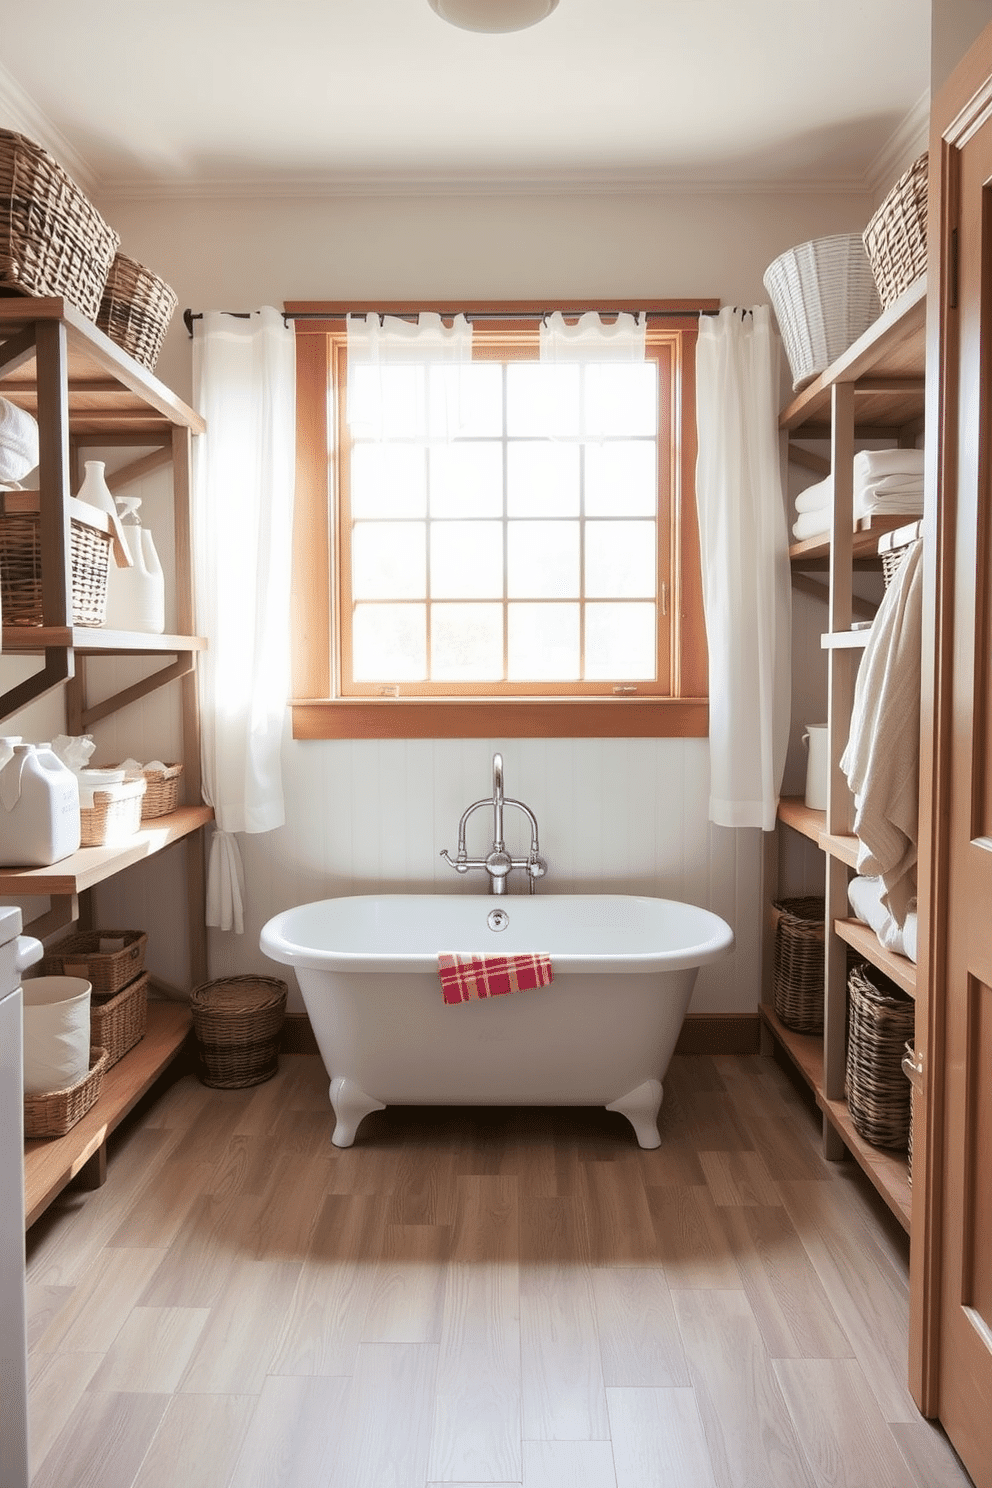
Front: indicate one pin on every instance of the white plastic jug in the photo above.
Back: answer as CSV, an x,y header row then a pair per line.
x,y
39,808
136,595
817,766
56,1033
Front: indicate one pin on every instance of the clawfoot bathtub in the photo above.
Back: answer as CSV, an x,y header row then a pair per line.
x,y
602,1033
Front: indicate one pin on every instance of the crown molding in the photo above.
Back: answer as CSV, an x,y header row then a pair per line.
x,y
451,184
18,111
904,146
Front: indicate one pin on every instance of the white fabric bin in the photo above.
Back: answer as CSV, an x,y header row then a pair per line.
x,y
56,1033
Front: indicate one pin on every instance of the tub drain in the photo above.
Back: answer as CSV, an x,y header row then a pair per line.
x,y
497,919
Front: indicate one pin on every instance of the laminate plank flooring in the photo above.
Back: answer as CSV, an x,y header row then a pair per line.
x,y
501,1298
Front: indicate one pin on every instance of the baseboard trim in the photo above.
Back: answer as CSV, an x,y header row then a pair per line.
x,y
720,1033
702,1033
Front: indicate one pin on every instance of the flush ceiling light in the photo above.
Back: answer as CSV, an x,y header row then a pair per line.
x,y
493,15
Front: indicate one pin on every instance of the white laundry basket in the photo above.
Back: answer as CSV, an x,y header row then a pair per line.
x,y
824,296
56,1032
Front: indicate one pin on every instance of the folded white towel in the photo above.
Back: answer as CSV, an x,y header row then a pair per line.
x,y
18,442
882,757
870,465
811,523
814,498
865,897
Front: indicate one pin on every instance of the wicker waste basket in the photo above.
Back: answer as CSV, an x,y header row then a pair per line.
x,y
237,1022
798,968
881,1019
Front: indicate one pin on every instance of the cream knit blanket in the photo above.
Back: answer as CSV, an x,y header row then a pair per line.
x,y
882,758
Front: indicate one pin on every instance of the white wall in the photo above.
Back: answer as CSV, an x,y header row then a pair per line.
x,y
617,815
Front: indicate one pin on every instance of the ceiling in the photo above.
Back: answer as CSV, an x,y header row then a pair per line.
x,y
201,97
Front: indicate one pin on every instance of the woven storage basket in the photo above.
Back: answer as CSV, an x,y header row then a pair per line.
x,y
107,971
798,966
56,1112
896,237
824,297
53,241
161,792
20,570
136,309
118,1023
880,1020
114,816
237,1022
909,1057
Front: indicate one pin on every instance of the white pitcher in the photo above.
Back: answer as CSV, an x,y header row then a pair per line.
x,y
817,766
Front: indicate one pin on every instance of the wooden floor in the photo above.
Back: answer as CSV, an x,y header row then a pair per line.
x,y
475,1297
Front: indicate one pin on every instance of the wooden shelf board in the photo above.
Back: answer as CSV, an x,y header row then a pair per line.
x,y
95,641
845,848
91,865
814,552
893,348
888,1172
793,811
50,1165
864,940
108,390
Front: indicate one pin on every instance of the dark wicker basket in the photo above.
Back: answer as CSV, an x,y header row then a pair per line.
x,y
798,967
55,1112
896,237
53,241
118,1023
237,1022
20,569
136,309
881,1018
107,971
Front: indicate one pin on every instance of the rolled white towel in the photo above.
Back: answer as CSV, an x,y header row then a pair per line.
x,y
811,523
814,498
18,442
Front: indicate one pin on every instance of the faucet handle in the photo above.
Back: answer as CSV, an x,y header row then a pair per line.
x,y
536,866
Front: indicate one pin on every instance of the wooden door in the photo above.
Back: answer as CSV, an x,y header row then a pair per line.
x,y
951,1346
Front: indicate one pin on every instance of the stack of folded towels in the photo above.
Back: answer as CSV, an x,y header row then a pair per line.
x,y
18,443
885,482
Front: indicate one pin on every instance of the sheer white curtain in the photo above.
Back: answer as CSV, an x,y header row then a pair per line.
x,y
382,388
745,558
591,339
244,380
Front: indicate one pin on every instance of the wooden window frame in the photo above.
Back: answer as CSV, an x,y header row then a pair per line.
x,y
318,709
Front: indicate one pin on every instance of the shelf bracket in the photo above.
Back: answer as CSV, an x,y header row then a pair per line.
x,y
184,663
59,668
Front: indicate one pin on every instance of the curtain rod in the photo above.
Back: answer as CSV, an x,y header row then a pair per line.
x,y
190,315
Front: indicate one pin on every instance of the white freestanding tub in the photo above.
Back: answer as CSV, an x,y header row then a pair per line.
x,y
602,1033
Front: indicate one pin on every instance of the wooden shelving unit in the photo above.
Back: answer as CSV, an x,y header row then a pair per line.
x,y
876,389
85,391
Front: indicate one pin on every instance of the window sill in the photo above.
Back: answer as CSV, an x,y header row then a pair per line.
x,y
515,718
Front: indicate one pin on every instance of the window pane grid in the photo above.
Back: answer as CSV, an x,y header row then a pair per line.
x,y
592,532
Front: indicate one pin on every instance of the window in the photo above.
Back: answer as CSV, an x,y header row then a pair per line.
x,y
526,565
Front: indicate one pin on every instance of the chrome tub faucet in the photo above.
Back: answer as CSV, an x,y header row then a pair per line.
x,y
498,863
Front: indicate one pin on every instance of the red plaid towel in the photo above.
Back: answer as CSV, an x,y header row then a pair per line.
x,y
465,977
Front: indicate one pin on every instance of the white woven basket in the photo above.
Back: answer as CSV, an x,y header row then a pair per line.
x,y
824,297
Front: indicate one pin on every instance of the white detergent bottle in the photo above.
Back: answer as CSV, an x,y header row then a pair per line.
x,y
39,809
136,595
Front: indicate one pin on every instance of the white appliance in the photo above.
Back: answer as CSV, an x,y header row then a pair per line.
x,y
17,952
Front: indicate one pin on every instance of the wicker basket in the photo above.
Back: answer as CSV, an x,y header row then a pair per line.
x,y
237,1022
798,968
53,241
107,971
896,237
824,297
136,309
880,1020
161,792
118,1023
57,1111
114,816
20,565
